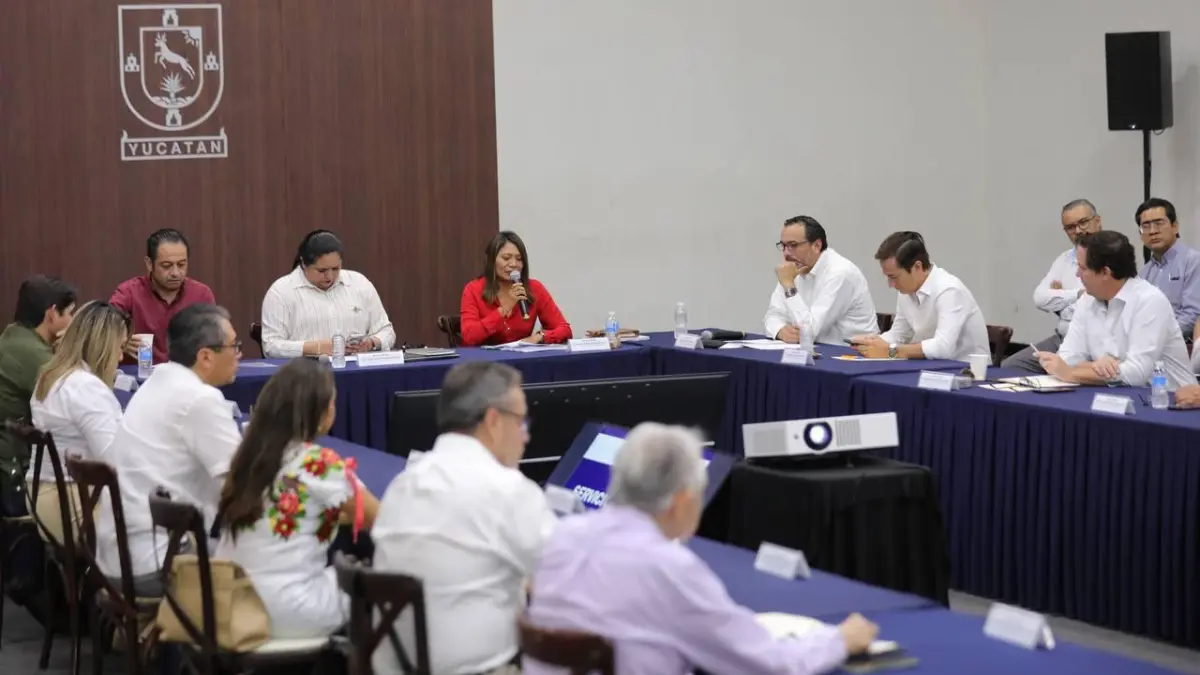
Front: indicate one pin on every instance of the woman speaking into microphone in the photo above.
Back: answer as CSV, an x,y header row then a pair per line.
x,y
502,305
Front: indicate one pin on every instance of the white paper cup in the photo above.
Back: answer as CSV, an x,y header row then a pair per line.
x,y
146,339
979,365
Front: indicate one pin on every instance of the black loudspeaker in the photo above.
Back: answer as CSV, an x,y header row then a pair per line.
x,y
1139,81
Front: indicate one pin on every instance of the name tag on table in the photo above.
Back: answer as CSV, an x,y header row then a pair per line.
x,y
938,381
1019,627
125,382
781,561
563,501
596,344
390,358
797,357
688,341
1112,404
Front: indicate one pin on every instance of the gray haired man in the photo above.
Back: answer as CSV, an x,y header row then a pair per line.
x,y
1059,290
468,523
620,573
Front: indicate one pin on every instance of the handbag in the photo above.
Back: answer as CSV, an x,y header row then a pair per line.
x,y
241,617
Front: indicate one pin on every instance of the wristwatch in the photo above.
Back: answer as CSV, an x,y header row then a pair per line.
x,y
789,292
891,351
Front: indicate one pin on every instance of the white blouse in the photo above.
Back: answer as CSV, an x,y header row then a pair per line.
x,y
82,414
285,551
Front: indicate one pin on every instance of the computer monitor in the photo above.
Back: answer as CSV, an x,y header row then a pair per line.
x,y
587,465
558,410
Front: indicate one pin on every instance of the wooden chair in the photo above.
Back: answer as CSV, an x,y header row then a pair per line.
x,y
119,608
451,326
62,557
256,335
998,339
884,321
386,595
15,531
581,653
181,521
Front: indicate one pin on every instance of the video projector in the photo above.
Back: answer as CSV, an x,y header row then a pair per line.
x,y
820,436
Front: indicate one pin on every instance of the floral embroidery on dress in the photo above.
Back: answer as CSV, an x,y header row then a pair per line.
x,y
289,496
329,522
287,504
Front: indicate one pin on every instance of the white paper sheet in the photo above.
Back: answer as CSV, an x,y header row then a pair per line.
x,y
782,626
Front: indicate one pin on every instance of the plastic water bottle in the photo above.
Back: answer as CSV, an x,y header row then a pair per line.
x,y
339,350
145,360
1159,399
612,330
680,319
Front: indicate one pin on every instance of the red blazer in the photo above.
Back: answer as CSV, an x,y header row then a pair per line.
x,y
483,325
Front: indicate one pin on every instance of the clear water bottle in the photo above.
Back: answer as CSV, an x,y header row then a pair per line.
x,y
612,330
680,319
339,350
145,359
1159,398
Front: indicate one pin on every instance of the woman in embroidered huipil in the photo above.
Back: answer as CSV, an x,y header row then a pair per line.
x,y
283,499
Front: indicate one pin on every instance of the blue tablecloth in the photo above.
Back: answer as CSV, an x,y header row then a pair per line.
x,y
950,643
765,390
365,394
1056,508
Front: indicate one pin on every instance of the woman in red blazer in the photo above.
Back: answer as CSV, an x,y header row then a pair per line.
x,y
490,311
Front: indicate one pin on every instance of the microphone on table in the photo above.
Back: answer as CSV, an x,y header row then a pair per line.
x,y
720,334
515,277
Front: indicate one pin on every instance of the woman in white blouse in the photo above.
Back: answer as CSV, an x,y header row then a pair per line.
x,y
74,401
283,499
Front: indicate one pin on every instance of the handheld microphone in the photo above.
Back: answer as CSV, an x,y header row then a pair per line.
x,y
720,334
515,277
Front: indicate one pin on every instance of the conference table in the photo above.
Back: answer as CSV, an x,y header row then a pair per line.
x,y
944,642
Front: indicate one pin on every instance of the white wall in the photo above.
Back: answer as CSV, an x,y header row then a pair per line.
x,y
649,150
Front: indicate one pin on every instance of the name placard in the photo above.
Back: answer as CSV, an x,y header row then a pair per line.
x,y
797,357
564,502
125,382
596,344
394,357
1112,404
688,341
937,381
780,561
1018,626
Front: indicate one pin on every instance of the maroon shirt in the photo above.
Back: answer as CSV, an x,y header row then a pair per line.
x,y
151,313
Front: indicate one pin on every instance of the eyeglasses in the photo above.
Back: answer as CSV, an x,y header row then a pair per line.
x,y
1152,225
236,346
1078,225
789,245
524,419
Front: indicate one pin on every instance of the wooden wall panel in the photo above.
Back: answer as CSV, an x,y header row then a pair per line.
x,y
372,118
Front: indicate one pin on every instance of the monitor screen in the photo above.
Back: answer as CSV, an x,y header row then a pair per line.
x,y
586,467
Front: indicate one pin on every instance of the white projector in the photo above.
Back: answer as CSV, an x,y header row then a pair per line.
x,y
820,436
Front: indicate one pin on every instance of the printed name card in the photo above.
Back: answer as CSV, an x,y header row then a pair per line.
x,y
1113,404
394,357
688,341
937,381
780,561
797,357
563,501
596,344
125,382
1017,626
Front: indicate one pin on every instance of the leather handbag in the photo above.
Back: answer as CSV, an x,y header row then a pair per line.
x,y
241,617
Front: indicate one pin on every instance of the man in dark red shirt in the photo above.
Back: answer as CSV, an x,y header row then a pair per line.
x,y
152,300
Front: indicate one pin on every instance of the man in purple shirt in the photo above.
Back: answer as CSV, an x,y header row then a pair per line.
x,y
620,572
152,300
1174,267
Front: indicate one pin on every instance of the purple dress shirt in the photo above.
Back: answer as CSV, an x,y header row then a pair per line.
x,y
1177,275
611,572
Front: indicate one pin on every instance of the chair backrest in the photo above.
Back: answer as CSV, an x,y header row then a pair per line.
x,y
884,321
92,479
373,592
180,519
998,339
451,325
41,445
256,335
581,653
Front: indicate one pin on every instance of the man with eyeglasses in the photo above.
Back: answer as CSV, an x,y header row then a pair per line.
x,y
1060,289
821,296
178,432
1174,267
469,524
